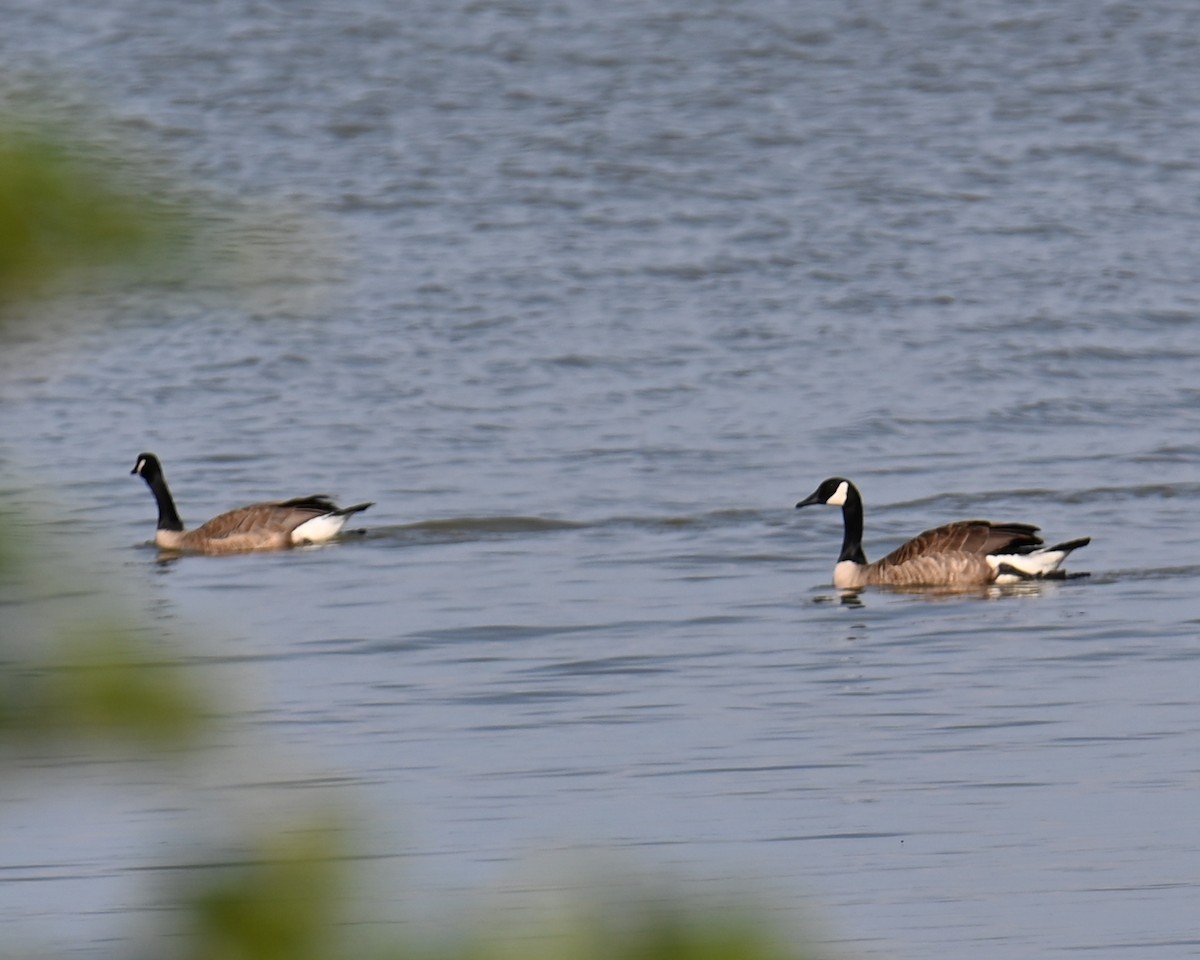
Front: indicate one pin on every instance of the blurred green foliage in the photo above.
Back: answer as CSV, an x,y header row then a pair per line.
x,y
96,685
635,922
280,901
76,673
67,691
68,211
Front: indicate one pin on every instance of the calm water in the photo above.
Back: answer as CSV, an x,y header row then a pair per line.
x,y
585,298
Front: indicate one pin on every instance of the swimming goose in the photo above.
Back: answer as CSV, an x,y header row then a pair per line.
x,y
260,526
966,553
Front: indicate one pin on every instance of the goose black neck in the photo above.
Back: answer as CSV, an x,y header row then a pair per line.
x,y
852,520
168,517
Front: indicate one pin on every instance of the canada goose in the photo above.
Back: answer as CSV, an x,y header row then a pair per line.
x,y
260,526
966,553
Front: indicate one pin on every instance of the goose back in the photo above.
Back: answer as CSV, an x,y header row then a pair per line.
x,y
955,553
259,526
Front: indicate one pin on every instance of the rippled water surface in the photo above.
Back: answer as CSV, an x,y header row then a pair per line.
x,y
585,298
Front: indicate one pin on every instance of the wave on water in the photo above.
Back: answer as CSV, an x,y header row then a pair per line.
x,y
459,529
465,529
970,501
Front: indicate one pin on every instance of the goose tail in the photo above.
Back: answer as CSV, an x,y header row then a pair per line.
x,y
327,526
1041,564
347,511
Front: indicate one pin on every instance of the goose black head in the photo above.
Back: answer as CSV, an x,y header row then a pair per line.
x,y
835,492
147,466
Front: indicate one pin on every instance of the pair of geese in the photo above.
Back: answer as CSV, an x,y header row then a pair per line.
x,y
966,553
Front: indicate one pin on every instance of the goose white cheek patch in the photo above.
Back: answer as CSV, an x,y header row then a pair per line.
x,y
839,495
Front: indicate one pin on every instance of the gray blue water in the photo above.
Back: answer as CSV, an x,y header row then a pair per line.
x,y
586,297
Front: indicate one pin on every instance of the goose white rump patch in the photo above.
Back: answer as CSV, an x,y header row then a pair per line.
x,y
319,529
1036,564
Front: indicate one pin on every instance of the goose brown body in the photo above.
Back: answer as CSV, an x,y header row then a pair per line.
x,y
259,526
955,553
961,554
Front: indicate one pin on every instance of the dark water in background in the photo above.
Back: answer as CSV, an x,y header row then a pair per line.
x,y
586,297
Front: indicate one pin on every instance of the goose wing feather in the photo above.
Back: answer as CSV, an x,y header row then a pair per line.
x,y
978,538
263,521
